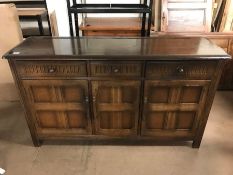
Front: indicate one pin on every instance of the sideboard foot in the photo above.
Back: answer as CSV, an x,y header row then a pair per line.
x,y
37,143
196,144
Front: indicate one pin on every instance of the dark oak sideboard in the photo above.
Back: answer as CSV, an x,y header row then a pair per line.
x,y
139,88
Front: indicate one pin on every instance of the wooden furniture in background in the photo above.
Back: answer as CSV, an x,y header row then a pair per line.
x,y
53,21
223,16
227,18
156,15
144,8
137,88
186,15
111,27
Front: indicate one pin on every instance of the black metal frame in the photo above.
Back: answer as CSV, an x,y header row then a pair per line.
x,y
142,8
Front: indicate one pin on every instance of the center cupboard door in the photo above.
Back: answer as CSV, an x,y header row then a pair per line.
x,y
59,106
172,108
116,107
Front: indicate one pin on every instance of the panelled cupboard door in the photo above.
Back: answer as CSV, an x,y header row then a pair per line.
x,y
59,105
116,107
172,108
186,15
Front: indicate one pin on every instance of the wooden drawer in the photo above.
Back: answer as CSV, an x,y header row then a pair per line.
x,y
116,69
51,68
181,70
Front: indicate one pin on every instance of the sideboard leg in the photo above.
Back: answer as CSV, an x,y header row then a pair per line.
x,y
196,144
37,142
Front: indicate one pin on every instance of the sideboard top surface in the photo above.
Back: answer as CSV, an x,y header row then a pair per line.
x,y
158,48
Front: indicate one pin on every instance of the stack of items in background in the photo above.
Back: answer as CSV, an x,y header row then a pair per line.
x,y
222,20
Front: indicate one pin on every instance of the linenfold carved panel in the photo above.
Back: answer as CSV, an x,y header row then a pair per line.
x,y
51,69
181,70
115,69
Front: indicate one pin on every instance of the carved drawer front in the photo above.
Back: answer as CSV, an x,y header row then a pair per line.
x,y
116,107
173,108
59,105
115,69
181,70
51,68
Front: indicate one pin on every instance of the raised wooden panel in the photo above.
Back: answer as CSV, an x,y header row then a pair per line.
x,y
181,70
185,120
177,112
51,68
59,104
191,94
158,94
77,119
173,120
123,93
42,94
73,94
155,120
116,107
186,15
116,69
47,119
117,120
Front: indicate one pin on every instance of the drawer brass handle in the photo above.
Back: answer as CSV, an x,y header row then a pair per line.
x,y
51,70
87,99
93,99
180,69
116,70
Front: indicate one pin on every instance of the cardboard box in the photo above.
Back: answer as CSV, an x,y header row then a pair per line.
x,y
10,36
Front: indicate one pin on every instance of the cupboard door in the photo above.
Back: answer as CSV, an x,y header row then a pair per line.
x,y
173,108
186,15
116,107
59,106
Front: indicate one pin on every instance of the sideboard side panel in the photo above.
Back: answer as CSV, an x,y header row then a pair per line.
x,y
208,104
26,106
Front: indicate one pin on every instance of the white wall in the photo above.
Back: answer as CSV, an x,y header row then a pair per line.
x,y
60,8
113,2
